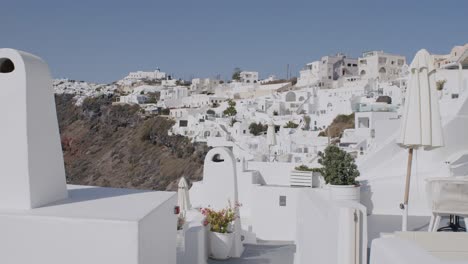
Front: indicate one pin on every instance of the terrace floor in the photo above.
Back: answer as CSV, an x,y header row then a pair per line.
x,y
265,252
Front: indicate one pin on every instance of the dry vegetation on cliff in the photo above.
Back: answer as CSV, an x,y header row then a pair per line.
x,y
114,146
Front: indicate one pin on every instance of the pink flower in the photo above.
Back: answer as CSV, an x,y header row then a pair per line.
x,y
205,223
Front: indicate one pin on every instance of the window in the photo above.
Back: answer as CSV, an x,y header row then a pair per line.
x,y
382,60
363,122
282,200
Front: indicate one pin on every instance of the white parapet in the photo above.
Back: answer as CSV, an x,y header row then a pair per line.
x,y
31,157
94,225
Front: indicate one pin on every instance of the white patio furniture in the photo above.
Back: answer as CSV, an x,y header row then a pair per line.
x,y
448,196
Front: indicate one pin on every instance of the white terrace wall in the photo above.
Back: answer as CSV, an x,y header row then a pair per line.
x,y
274,173
274,212
329,232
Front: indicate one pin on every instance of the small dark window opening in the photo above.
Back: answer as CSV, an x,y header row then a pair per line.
x,y
6,65
217,158
282,200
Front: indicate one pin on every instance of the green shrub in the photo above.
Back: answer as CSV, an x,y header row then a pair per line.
x,y
291,124
305,168
257,128
339,167
231,110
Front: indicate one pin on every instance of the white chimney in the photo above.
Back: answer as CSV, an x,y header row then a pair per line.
x,y
32,172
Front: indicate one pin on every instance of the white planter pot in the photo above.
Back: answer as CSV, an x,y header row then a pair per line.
x,y
345,192
180,240
220,245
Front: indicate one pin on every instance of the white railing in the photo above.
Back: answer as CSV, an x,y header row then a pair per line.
x,y
301,178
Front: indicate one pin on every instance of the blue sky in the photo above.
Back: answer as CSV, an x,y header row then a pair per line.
x,y
102,41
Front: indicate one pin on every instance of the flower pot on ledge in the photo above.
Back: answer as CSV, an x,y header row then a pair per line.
x,y
220,244
345,192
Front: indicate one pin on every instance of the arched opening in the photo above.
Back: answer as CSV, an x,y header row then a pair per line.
x,y
363,73
6,65
301,98
382,73
290,97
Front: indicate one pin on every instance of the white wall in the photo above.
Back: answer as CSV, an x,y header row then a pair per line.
x,y
274,173
157,235
107,225
327,231
270,221
73,241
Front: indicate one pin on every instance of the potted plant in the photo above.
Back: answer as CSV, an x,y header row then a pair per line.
x,y
220,235
340,171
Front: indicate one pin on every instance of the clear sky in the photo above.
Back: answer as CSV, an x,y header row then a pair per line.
x,y
102,41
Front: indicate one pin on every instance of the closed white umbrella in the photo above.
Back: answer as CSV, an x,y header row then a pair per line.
x,y
421,125
183,199
271,137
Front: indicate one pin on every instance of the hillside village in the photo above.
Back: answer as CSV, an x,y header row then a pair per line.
x,y
237,112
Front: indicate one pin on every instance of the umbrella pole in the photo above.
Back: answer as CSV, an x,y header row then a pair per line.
x,y
407,189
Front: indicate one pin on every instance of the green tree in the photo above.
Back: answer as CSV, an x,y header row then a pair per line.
x,y
339,167
257,128
307,122
236,74
231,110
291,124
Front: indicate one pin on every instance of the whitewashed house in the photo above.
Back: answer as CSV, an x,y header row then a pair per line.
x,y
132,99
269,79
322,73
381,66
152,75
204,84
248,77
457,56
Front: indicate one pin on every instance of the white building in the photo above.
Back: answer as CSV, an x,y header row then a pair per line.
x,y
249,77
381,66
330,68
269,79
178,92
204,84
457,58
132,99
154,75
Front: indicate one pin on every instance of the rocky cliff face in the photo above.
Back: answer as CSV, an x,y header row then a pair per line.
x,y
115,146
